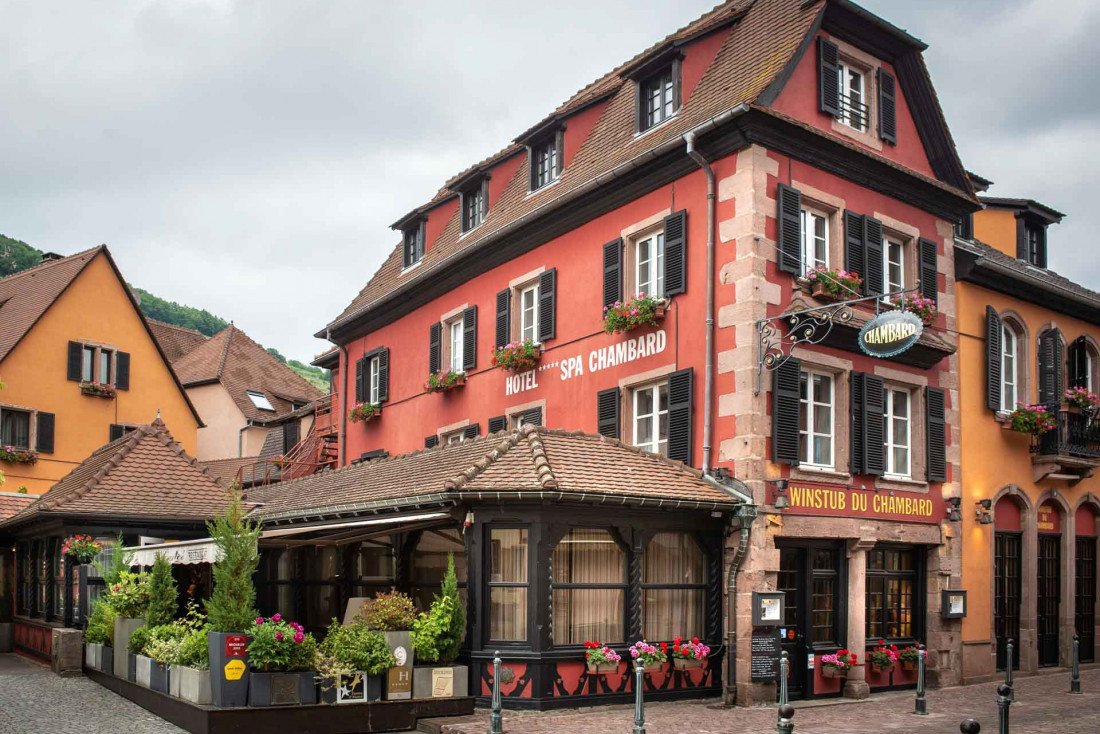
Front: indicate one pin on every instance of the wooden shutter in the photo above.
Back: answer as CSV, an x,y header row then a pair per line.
x,y
608,408
471,431
676,253
612,272
1050,368
383,375
857,455
76,360
43,442
359,366
547,304
828,82
504,317
854,257
872,254
122,371
469,338
887,115
928,269
498,423
115,432
431,442
993,375
291,435
1077,362
874,405
435,347
680,418
935,410
532,417
789,236
786,416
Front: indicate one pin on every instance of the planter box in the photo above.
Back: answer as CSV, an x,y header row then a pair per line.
x,y
6,636
282,689
143,671
684,664
124,627
93,655
107,659
443,681
158,677
828,671
652,667
883,669
131,667
399,680
603,668
173,682
229,673
817,290
349,690
190,684
909,664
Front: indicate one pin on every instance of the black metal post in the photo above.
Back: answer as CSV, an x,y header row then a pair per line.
x,y
1004,700
496,722
639,711
921,707
785,725
970,726
1009,660
784,671
1075,681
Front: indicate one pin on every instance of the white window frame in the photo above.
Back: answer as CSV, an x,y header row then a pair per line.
x,y
454,437
1088,369
531,326
88,363
1009,374
91,368
809,239
844,86
892,439
653,443
260,400
808,431
654,284
455,329
888,285
372,391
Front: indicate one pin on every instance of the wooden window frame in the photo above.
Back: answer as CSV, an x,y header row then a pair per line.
x,y
806,430
552,145
703,586
529,286
532,576
808,212
634,392
477,192
845,67
889,444
97,349
918,601
623,585
447,347
32,428
671,68
417,249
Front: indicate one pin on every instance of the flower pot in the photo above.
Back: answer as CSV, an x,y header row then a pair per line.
x,y
603,668
124,627
685,664
229,673
831,671
399,679
282,689
131,667
818,290
143,670
652,667
107,661
191,684
882,668
93,655
173,681
352,689
909,664
440,681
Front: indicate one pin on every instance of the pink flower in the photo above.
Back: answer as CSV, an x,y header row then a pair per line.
x,y
279,636
298,637
277,617
259,620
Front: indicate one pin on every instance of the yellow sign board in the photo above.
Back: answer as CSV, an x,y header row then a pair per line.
x,y
234,669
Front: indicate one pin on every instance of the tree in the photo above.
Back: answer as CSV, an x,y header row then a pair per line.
x,y
162,594
16,255
232,606
276,354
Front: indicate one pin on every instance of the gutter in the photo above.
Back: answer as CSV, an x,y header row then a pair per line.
x,y
1035,280
240,438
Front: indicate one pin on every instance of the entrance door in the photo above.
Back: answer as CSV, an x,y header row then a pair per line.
x,y
1085,608
809,577
1006,596
794,640
1050,590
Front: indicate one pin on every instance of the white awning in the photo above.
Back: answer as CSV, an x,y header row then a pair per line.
x,y
184,553
302,529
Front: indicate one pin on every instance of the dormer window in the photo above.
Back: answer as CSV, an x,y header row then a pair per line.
x,y
854,110
414,244
659,96
1035,242
475,204
259,400
545,159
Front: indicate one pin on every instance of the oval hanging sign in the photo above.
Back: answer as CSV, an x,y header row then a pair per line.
x,y
890,333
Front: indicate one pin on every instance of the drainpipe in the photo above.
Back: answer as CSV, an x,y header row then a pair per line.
x,y
343,407
240,439
743,520
708,373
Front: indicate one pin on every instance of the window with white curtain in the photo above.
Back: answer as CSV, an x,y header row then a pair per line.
x,y
529,313
898,433
893,266
508,584
1009,361
816,403
650,264
456,346
815,240
674,580
589,579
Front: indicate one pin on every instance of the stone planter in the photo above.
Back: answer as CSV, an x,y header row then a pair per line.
x,y
191,685
603,668
442,681
93,655
124,627
685,664
107,661
282,689
5,637
143,671
158,677
228,668
349,690
399,681
173,682
830,671
131,667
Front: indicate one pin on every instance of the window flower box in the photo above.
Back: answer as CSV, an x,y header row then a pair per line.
x,y
15,455
1033,419
838,664
365,412
1081,400
910,657
884,656
633,313
517,356
443,381
97,389
601,659
687,655
833,284
653,657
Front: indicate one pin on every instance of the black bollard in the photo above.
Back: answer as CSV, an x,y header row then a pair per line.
x,y
639,712
1075,681
496,722
970,726
785,725
1004,700
1008,669
921,707
784,671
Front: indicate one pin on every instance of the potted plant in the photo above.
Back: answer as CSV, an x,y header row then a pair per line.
x,y
15,455
231,606
688,654
99,635
281,655
834,284
436,638
517,356
135,648
162,649
129,597
98,389
364,412
1081,400
81,549
393,614
923,308
633,313
601,658
191,674
838,664
351,662
910,657
1033,419
883,656
443,381
652,656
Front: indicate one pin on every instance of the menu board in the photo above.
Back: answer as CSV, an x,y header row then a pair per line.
x,y
765,657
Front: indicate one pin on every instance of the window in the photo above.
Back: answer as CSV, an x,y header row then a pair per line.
x,y
816,418
373,567
529,313
456,437
815,240
414,244
320,575
658,98
475,205
898,431
15,428
429,564
1088,369
508,584
105,365
853,111
455,328
650,259
260,400
58,579
651,418
372,392
87,365
589,581
823,581
892,598
42,572
893,266
545,162
673,587
1035,236
1009,365
964,228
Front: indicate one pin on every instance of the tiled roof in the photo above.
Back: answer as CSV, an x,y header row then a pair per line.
x,y
26,295
240,364
175,341
1049,278
144,474
519,463
12,502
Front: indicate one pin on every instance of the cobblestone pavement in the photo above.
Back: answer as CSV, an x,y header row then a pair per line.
x,y
1042,705
34,700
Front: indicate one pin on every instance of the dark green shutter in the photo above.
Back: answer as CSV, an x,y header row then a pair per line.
x,y
936,431
786,416
676,253
532,417
469,338
887,113
857,454
435,347
607,412
855,259
828,81
431,442
1050,368
789,236
504,317
471,431
498,423
612,272
76,361
359,366
928,269
115,432
1077,362
872,248
548,304
122,371
383,375
874,425
43,441
680,416
993,375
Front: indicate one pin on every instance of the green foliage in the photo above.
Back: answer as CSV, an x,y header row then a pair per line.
x,y
163,643
280,646
194,618
276,354
130,595
437,634
173,313
391,611
100,629
232,606
16,255
138,639
118,563
316,376
194,652
357,648
162,593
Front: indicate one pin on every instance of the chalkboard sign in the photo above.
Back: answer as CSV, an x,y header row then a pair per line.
x,y
765,657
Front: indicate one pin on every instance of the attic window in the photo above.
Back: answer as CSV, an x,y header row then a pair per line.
x,y
545,159
475,204
260,400
413,238
659,95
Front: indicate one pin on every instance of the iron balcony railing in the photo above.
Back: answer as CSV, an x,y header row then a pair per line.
x,y
855,113
1077,434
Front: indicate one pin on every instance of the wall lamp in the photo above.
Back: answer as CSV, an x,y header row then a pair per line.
x,y
782,501
954,514
983,511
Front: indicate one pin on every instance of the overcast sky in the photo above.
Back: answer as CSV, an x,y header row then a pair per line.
x,y
248,156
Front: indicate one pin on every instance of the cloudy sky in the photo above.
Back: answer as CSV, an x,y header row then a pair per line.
x,y
247,156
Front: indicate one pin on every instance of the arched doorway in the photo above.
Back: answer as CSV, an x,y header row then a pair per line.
x,y
1007,576
1084,609
1048,581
